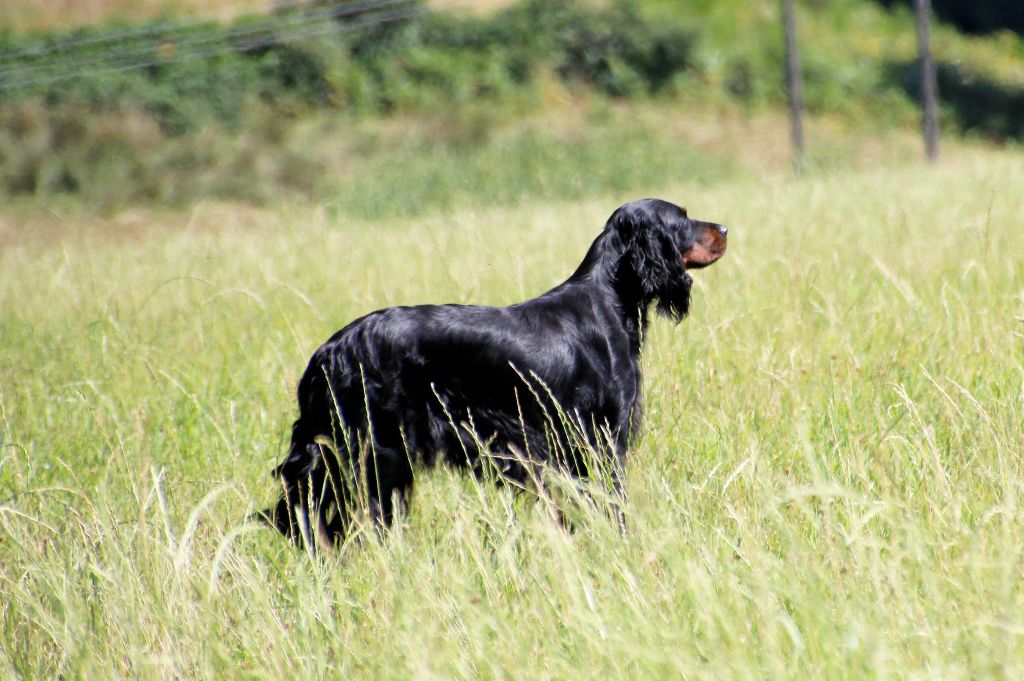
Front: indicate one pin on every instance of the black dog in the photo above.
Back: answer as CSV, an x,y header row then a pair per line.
x,y
515,387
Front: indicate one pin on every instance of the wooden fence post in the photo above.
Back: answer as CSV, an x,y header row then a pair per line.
x,y
794,85
929,88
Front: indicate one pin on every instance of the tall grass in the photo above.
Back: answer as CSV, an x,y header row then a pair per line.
x,y
829,484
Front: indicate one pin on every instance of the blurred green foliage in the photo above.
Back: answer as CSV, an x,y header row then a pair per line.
x,y
170,111
402,179
975,104
153,113
208,73
977,17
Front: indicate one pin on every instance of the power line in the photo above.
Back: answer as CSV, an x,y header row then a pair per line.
x,y
309,24
55,44
44,47
172,35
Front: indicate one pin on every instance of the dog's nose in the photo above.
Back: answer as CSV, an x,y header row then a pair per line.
x,y
724,230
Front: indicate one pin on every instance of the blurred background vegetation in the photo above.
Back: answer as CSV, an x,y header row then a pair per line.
x,y
391,107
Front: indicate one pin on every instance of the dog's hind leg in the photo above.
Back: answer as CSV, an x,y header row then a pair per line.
x,y
301,475
316,501
389,481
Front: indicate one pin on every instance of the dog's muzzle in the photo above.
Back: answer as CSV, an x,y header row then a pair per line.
x,y
710,246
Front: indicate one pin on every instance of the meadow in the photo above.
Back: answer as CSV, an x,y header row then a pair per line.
x,y
830,483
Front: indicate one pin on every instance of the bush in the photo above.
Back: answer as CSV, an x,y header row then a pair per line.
x,y
186,81
978,17
973,103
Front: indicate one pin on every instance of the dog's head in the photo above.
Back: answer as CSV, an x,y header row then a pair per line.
x,y
658,242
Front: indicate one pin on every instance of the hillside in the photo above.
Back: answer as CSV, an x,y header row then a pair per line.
x,y
509,101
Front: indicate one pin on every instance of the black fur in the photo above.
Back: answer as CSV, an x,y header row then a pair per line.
x,y
404,385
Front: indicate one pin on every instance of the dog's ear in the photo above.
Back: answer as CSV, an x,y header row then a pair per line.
x,y
646,256
657,264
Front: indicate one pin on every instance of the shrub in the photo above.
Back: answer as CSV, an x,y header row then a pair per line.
x,y
183,82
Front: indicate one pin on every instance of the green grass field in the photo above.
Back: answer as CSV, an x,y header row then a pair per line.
x,y
830,484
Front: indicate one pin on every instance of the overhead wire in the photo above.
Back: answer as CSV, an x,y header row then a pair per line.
x,y
166,50
58,44
170,32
